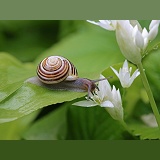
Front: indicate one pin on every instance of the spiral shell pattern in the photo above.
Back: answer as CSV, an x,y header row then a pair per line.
x,y
55,69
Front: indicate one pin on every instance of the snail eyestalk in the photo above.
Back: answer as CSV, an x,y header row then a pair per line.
x,y
97,80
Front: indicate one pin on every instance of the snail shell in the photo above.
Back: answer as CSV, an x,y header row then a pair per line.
x,y
55,69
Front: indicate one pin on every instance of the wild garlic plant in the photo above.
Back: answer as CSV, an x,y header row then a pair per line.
x,y
133,41
110,97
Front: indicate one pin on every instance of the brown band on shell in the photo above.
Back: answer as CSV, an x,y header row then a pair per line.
x,y
55,69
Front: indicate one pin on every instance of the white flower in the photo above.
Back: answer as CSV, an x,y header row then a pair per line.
x,y
117,111
124,75
131,38
149,119
106,24
105,97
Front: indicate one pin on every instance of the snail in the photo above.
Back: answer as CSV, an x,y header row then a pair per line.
x,y
58,73
55,69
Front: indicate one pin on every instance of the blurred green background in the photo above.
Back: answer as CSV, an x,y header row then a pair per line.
x,y
26,39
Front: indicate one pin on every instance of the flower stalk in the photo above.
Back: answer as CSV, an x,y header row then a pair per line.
x,y
123,123
149,93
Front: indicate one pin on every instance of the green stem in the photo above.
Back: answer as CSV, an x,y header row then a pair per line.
x,y
124,93
149,92
123,123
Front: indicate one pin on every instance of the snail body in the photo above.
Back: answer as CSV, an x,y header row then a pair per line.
x,y
58,73
78,85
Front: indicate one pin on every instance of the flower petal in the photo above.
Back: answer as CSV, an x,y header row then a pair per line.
x,y
116,99
125,65
106,24
134,23
114,93
116,112
153,23
85,103
115,71
107,104
104,88
126,42
125,82
134,75
153,32
139,41
149,119
145,37
144,33
119,97
93,22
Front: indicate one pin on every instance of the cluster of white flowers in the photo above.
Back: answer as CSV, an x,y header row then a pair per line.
x,y
131,38
105,97
108,96
132,41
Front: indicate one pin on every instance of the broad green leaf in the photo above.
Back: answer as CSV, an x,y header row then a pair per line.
x,y
50,127
15,129
145,132
92,123
143,123
12,74
29,98
77,123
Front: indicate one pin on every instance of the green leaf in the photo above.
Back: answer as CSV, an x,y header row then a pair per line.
x,y
77,123
50,127
15,129
143,122
145,132
12,74
29,98
92,123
